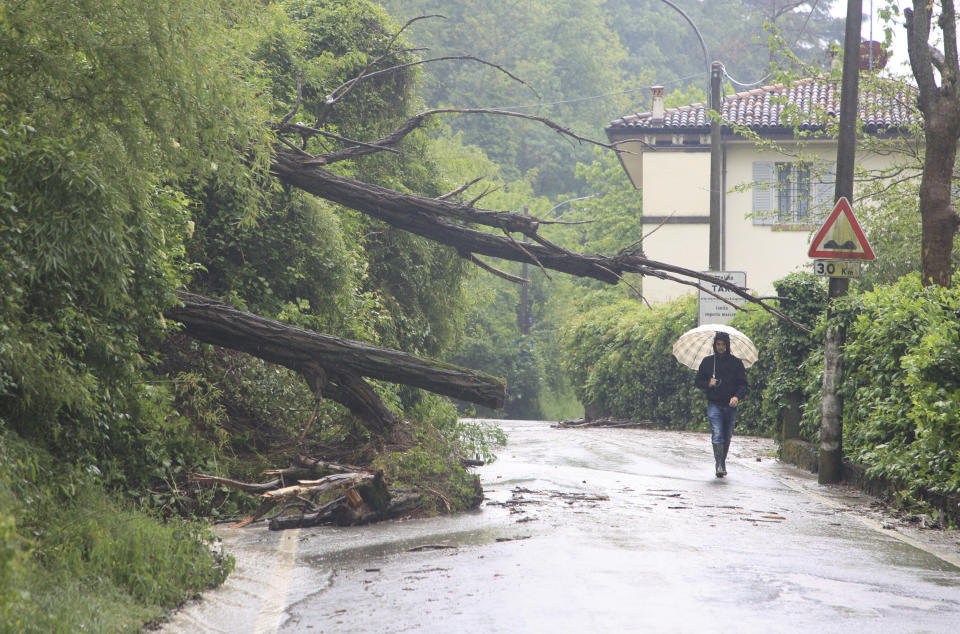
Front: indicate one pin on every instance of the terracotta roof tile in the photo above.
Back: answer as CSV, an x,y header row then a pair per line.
x,y
762,108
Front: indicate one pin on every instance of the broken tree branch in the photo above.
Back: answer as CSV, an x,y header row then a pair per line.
x,y
460,189
490,269
428,217
359,149
344,361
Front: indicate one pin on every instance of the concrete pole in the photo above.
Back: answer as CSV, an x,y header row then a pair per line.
x,y
716,76
831,423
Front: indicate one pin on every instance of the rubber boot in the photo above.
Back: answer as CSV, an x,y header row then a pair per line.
x,y
718,458
723,457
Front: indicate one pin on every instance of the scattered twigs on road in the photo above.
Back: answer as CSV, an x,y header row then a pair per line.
x,y
605,422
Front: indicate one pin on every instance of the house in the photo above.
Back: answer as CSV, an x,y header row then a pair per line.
x,y
776,188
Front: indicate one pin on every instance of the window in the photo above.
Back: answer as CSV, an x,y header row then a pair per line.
x,y
791,193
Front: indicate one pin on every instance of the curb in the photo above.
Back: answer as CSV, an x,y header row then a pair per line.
x,y
806,456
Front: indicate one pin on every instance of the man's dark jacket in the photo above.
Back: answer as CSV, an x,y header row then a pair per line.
x,y
730,371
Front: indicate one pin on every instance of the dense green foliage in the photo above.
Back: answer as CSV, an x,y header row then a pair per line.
x,y
134,144
73,559
98,131
586,63
314,264
901,395
108,113
562,50
619,358
735,32
620,362
784,367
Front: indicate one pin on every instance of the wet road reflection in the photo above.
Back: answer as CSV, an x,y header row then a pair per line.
x,y
597,529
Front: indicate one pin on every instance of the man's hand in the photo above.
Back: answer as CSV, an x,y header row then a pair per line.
x,y
734,401
714,382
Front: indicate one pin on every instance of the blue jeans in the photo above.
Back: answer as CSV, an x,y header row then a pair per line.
x,y
723,419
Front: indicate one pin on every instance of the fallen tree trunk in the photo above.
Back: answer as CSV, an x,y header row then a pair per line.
x,y
399,505
365,497
424,217
437,220
332,364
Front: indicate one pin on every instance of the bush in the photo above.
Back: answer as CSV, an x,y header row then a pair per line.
x,y
73,559
619,359
786,352
753,415
428,458
901,389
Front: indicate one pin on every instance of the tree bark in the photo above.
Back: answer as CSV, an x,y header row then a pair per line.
x,y
940,106
939,218
426,217
437,220
332,365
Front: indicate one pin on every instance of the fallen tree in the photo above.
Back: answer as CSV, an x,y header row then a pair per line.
x,y
448,222
333,367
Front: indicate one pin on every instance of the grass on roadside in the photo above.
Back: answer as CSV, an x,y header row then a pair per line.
x,y
74,559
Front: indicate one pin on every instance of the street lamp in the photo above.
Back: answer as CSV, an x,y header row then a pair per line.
x,y
703,46
714,76
569,200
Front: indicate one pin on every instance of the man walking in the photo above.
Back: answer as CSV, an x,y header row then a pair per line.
x,y
724,379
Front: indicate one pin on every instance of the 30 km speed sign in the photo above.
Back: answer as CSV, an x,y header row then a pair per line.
x,y
836,268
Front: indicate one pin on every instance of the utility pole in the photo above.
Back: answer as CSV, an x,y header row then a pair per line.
x,y
716,75
522,318
831,423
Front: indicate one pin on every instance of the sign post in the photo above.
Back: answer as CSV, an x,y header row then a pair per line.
x,y
831,405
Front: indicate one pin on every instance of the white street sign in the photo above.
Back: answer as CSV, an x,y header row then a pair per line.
x,y
714,310
836,268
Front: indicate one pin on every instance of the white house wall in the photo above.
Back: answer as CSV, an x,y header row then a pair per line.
x,y
677,182
766,252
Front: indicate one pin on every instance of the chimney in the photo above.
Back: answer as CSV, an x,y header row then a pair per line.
x,y
657,92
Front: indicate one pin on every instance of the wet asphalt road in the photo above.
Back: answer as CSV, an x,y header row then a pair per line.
x,y
601,530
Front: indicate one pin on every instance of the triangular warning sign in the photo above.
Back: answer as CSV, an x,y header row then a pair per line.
x,y
840,237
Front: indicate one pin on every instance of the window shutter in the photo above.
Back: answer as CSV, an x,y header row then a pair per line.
x,y
764,192
823,190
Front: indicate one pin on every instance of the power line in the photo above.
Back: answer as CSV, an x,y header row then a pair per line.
x,y
733,81
579,99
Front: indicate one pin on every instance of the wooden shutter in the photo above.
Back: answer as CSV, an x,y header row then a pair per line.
x,y
823,185
764,193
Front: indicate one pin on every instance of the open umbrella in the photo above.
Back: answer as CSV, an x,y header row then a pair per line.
x,y
696,344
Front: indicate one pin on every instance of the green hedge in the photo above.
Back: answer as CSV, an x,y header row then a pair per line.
x,y
901,385
620,362
788,352
619,358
